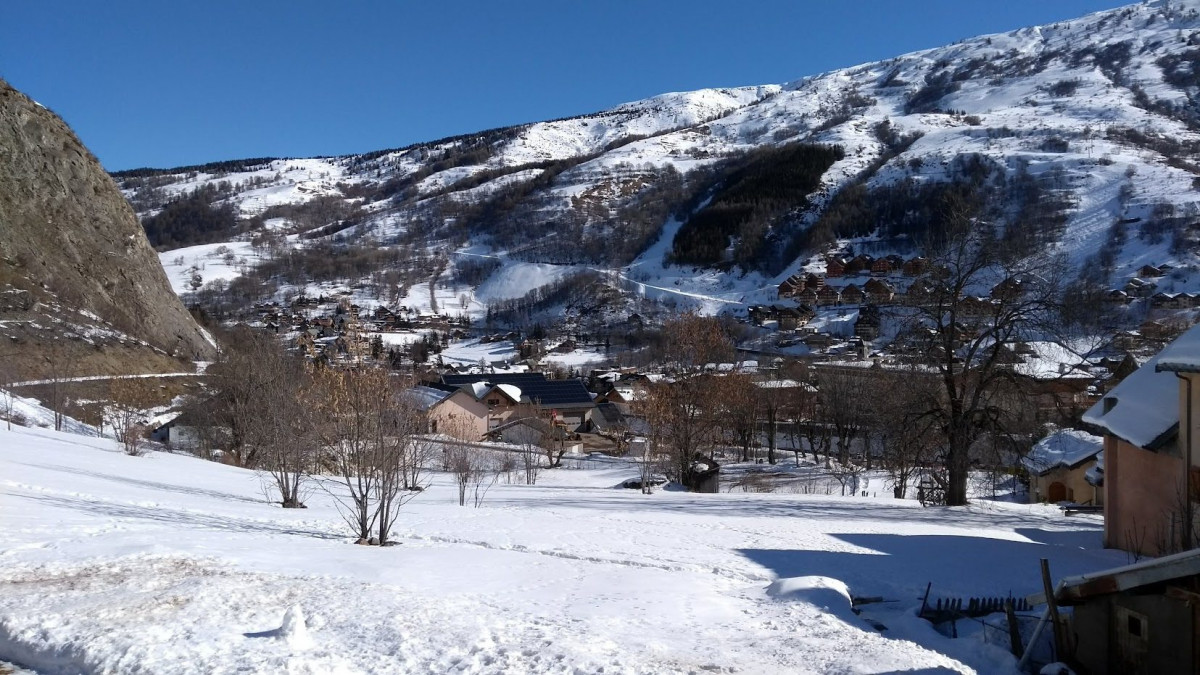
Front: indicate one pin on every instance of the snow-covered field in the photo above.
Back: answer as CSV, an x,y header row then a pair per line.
x,y
170,564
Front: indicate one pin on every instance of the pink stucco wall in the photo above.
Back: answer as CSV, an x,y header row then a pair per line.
x,y
1142,494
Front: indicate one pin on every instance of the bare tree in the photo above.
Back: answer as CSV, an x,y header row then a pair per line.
x,y
402,448
841,392
739,407
474,471
57,368
807,421
125,412
261,395
907,438
965,338
773,404
354,424
682,414
531,460
683,418
417,459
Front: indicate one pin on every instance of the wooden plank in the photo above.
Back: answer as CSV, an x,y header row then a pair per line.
x,y
1060,641
1014,630
1190,597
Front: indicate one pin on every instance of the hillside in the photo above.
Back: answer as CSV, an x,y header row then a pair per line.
x,y
1080,138
79,284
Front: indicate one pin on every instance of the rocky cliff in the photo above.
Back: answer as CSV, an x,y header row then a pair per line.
x,y
77,274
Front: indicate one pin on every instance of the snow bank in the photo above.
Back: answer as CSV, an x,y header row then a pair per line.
x,y
824,592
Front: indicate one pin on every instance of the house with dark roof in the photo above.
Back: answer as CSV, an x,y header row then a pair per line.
x,y
566,401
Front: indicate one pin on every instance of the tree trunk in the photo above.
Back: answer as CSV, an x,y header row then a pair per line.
x,y
770,436
958,466
844,449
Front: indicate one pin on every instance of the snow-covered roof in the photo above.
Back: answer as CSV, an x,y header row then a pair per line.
x,y
1184,356
629,393
510,390
785,384
1144,408
479,389
1065,448
1051,360
426,397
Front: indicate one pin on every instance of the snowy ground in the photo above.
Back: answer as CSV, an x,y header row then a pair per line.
x,y
111,563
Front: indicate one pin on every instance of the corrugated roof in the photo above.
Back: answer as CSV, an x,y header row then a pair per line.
x,y
1074,590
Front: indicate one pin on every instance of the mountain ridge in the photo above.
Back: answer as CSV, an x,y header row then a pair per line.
x,y
1095,113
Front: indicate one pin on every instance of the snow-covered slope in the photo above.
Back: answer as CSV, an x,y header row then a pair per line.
x,y
1103,108
169,564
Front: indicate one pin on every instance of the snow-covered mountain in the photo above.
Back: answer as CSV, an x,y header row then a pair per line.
x,y
1087,131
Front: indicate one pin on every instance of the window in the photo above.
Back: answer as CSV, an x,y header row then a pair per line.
x,y
1134,625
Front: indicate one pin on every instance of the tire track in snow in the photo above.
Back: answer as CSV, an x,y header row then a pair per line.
x,y
600,560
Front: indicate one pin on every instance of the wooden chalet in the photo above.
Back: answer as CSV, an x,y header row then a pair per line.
x,y
835,267
859,264
1139,288
1009,289
792,286
879,292
853,295
977,307
868,323
886,265
828,296
914,267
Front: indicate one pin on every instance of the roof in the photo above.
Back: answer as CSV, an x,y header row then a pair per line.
x,y
784,384
539,425
1066,448
481,389
1183,356
519,379
1073,590
1050,360
608,415
512,390
1144,408
533,386
424,397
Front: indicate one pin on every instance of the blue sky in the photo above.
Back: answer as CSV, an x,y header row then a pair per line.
x,y
167,83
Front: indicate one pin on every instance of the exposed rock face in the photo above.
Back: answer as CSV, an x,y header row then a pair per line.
x,y
72,253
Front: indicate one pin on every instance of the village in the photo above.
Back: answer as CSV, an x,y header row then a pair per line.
x,y
334,341
1095,432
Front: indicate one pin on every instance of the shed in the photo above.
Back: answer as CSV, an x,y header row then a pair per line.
x,y
1059,464
1138,619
